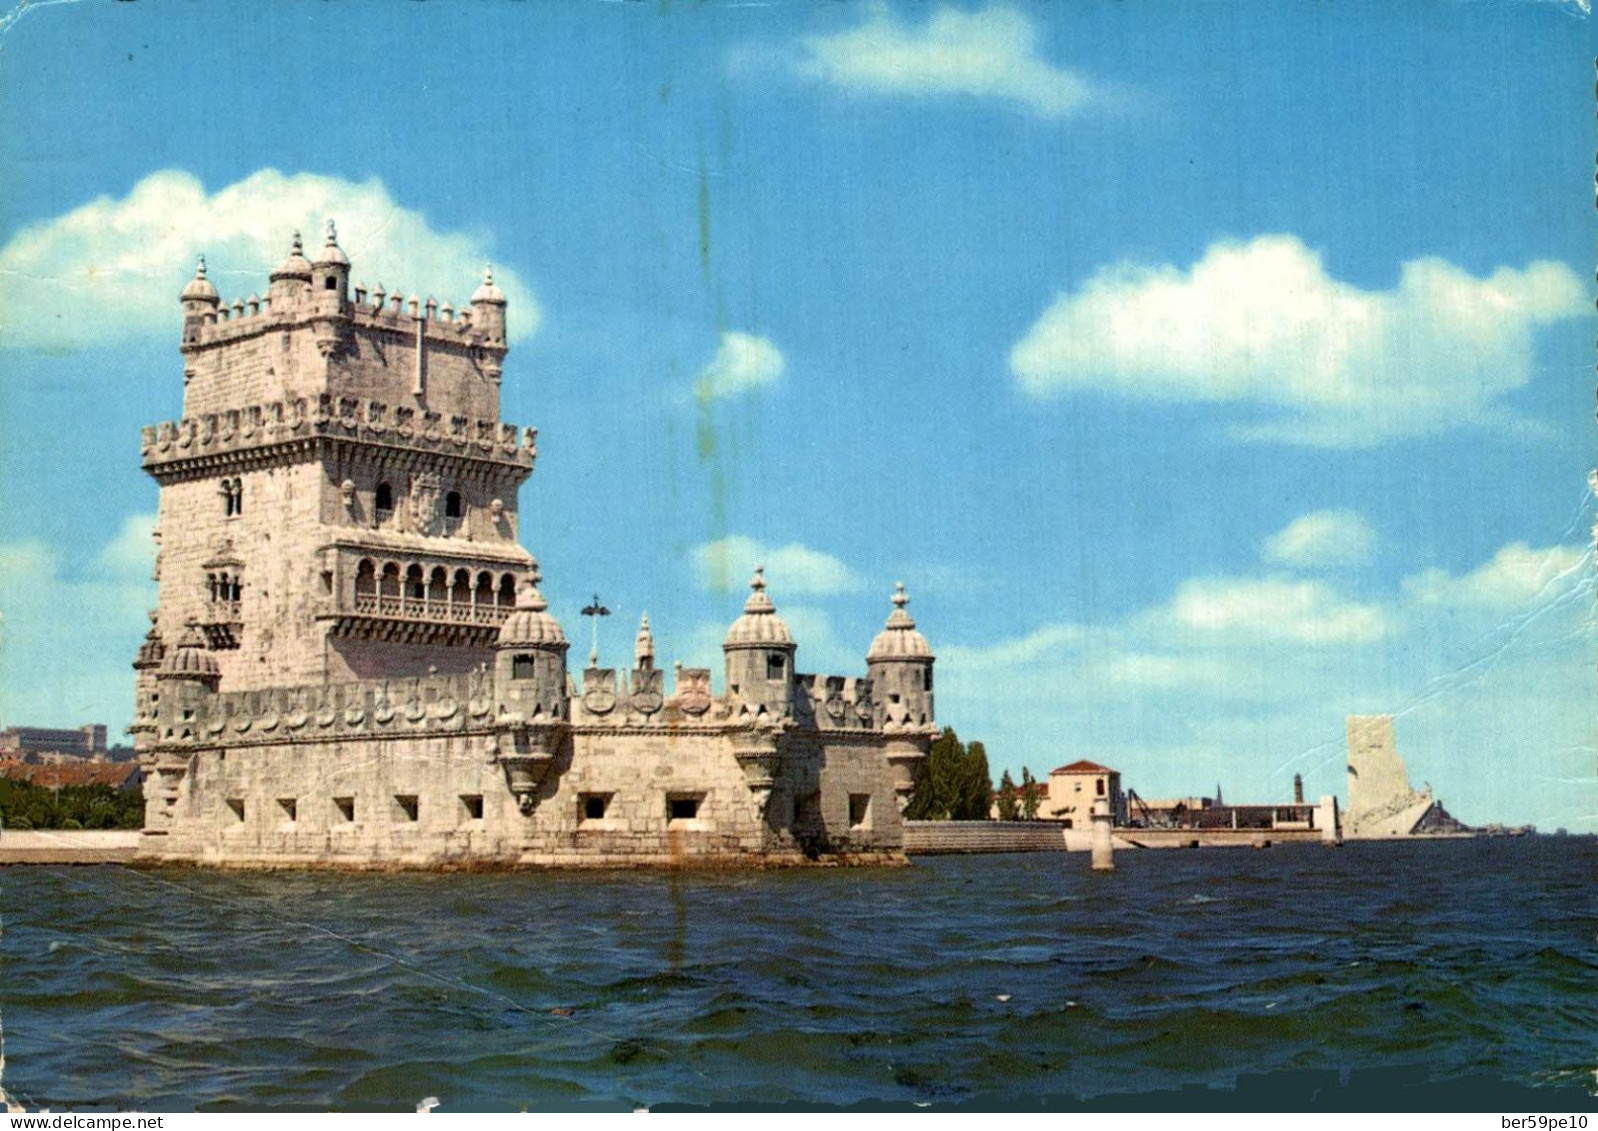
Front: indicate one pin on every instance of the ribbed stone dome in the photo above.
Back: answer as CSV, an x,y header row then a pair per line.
x,y
296,266
190,659
200,287
899,640
487,291
529,624
331,254
760,623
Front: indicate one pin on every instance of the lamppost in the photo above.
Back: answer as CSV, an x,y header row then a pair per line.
x,y
595,610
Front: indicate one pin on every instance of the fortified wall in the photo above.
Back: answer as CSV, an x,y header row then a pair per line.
x,y
352,663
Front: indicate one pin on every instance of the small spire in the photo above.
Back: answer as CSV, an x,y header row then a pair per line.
x,y
644,647
199,268
488,274
297,248
529,597
900,598
332,233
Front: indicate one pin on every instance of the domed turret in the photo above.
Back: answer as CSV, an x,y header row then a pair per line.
x,y
759,651
530,658
899,640
488,310
900,667
331,270
191,659
293,277
200,301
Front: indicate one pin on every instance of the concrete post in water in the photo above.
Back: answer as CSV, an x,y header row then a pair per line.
x,y
1326,820
1103,851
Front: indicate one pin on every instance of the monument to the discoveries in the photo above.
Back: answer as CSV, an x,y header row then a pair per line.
x,y
352,663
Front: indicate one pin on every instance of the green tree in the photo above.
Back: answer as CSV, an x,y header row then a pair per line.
x,y
1029,795
1007,806
975,802
937,780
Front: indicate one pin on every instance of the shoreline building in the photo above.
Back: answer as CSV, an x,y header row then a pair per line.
x,y
352,663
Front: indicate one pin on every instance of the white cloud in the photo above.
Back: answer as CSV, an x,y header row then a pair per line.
x,y
1263,324
1516,578
1308,612
992,54
69,638
1322,538
727,563
112,269
742,362
1248,679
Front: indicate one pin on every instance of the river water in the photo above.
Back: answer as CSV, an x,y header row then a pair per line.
x,y
986,981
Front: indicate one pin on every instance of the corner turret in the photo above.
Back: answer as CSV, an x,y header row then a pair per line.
x,y
488,310
899,665
530,659
330,272
292,280
200,301
759,652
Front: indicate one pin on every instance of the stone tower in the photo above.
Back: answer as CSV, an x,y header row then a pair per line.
x,y
339,500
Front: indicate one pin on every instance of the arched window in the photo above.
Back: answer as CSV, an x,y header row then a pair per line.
x,y
366,578
461,592
438,584
415,588
485,588
331,284
391,580
775,668
507,590
384,503
452,505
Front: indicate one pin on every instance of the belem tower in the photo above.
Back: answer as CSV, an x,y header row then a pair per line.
x,y
352,663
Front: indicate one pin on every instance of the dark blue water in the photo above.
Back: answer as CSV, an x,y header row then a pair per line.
x,y
998,980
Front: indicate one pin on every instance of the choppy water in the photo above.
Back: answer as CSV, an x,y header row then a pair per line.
x,y
997,981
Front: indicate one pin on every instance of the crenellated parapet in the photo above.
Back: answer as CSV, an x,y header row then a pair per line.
x,y
170,448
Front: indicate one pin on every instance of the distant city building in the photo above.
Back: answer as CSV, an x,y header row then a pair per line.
x,y
353,664
84,742
1074,788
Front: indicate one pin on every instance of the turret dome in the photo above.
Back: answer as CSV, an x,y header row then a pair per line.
x,y
760,623
200,288
899,640
487,291
331,254
296,266
529,624
190,659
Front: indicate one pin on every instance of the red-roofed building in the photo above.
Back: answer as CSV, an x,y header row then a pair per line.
x,y
1075,787
117,775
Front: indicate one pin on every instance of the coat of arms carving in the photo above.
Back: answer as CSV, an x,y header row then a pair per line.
x,y
427,492
693,690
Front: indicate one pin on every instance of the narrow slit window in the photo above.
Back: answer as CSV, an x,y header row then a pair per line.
x,y
290,808
409,806
472,806
236,807
344,809
859,810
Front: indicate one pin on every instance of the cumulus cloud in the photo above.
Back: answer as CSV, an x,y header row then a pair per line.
x,y
989,54
742,362
1322,538
1516,578
111,269
727,563
1308,612
1248,679
1333,365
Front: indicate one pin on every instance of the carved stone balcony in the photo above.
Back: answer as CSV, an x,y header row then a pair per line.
x,y
400,618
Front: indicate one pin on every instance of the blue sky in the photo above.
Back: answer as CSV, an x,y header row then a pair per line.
x,y
1207,373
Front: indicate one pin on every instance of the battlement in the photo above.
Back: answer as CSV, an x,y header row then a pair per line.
x,y
440,323
365,421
